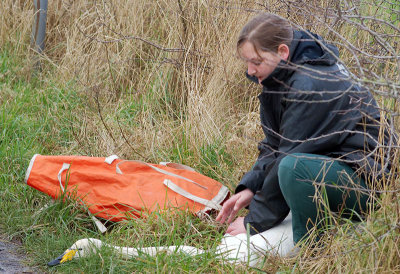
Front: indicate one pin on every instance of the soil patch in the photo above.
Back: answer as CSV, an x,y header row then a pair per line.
x,y
12,258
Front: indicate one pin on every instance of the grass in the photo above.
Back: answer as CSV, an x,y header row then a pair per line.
x,y
141,102
36,118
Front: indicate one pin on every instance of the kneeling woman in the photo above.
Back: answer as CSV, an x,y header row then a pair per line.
x,y
321,132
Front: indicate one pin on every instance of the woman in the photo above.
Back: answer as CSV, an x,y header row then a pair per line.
x,y
320,129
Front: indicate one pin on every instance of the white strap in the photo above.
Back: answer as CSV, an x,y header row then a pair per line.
x,y
177,166
102,228
111,159
65,166
96,221
118,170
190,196
28,171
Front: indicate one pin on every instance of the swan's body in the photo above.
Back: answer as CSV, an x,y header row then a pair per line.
x,y
277,240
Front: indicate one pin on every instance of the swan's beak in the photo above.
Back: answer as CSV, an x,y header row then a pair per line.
x,y
65,257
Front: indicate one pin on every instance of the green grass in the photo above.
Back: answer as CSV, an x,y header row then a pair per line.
x,y
36,117
49,113
29,124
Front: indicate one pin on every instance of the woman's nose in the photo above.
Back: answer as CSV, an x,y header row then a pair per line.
x,y
251,70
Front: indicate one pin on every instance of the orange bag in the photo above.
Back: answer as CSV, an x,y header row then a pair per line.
x,y
115,189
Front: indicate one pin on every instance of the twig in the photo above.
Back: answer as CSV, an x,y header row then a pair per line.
x,y
96,97
128,143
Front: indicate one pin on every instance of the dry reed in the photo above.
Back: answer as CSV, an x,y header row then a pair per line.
x,y
173,64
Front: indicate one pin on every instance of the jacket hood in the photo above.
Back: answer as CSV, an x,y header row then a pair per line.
x,y
310,48
306,48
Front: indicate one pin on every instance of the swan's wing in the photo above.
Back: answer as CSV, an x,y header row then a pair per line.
x,y
277,240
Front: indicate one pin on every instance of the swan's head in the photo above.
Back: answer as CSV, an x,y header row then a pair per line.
x,y
80,248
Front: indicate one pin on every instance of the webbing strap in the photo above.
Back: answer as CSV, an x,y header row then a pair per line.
x,y
110,159
184,193
118,170
65,166
177,166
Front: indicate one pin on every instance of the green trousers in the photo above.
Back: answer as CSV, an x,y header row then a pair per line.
x,y
313,184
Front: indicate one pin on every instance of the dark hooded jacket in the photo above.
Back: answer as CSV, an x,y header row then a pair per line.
x,y
309,105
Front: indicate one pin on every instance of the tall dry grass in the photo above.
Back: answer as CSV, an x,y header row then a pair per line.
x,y
172,66
178,55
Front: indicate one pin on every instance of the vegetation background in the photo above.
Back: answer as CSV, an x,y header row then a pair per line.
x,y
160,81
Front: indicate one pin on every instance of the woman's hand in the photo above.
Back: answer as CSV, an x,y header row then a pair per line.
x,y
233,205
236,227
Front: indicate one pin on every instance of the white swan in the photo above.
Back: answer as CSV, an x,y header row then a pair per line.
x,y
277,240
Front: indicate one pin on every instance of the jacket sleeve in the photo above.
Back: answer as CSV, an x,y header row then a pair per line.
x,y
306,127
254,179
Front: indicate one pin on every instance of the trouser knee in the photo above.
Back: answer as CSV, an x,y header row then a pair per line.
x,y
287,175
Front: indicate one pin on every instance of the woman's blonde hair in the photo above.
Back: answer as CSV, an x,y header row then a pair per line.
x,y
266,32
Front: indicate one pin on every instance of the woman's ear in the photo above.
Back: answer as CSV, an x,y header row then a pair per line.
x,y
283,51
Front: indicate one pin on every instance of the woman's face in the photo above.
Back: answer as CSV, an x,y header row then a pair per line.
x,y
259,64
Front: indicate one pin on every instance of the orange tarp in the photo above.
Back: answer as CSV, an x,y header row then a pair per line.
x,y
114,189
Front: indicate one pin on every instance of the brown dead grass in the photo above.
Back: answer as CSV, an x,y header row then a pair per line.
x,y
174,63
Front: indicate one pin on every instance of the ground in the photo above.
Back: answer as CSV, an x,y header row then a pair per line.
x,y
12,258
